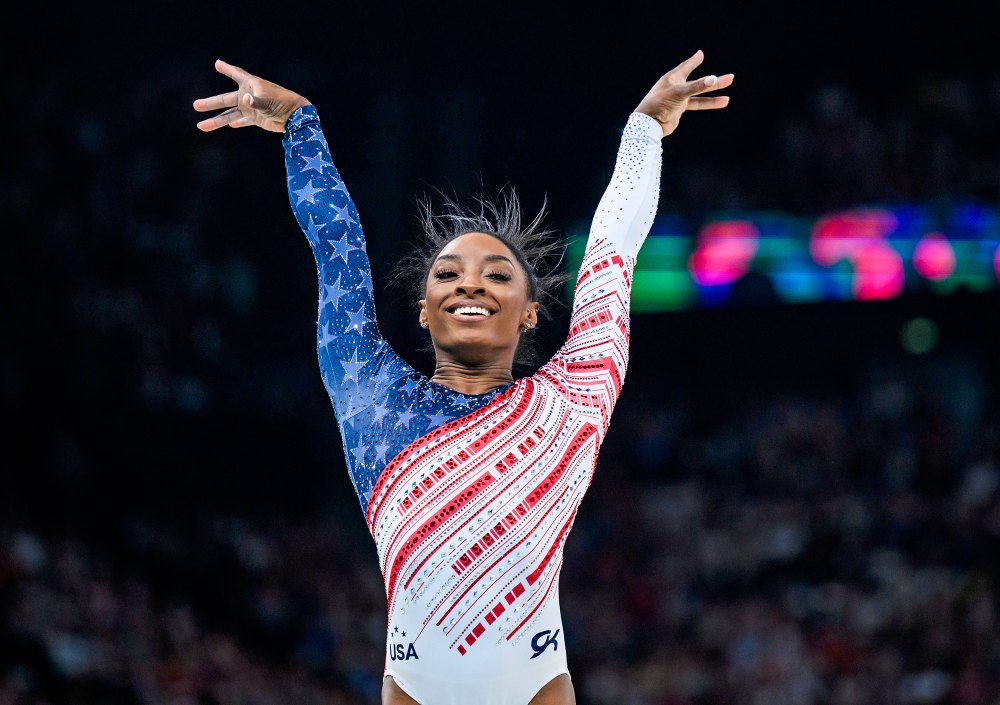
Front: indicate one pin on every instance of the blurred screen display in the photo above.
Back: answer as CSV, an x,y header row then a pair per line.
x,y
858,254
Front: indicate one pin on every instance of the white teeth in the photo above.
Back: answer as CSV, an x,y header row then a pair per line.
x,y
473,309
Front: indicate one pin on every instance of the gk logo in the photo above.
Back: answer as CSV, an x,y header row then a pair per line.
x,y
539,649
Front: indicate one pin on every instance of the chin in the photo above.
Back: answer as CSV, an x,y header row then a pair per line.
x,y
474,347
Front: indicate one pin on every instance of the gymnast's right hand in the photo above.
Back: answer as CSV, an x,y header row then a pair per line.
x,y
254,102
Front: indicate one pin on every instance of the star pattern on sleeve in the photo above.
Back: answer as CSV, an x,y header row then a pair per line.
x,y
312,230
380,449
439,418
316,135
382,379
343,214
380,411
325,337
359,452
333,292
351,367
307,193
380,402
366,281
315,163
404,417
342,248
357,321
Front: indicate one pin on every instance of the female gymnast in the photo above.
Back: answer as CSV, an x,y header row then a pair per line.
x,y
470,480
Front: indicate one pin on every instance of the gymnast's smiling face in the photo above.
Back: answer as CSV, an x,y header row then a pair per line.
x,y
478,301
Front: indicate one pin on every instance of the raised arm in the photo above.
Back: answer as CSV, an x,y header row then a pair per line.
x,y
353,356
593,360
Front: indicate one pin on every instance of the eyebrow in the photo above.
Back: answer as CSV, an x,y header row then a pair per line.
x,y
488,258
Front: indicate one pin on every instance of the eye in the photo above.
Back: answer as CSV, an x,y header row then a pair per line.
x,y
444,274
499,276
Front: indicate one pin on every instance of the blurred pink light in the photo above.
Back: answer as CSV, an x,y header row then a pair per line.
x,y
878,271
838,236
934,257
858,237
724,252
996,262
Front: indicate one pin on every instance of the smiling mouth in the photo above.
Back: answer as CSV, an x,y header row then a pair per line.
x,y
470,313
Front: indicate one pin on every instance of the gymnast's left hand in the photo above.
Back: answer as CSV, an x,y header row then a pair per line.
x,y
674,94
255,102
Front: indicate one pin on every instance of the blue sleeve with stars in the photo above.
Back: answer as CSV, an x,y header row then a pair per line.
x,y
357,365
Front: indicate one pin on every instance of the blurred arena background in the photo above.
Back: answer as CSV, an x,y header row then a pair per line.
x,y
799,497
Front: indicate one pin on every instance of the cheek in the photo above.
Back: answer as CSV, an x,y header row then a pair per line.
x,y
432,296
514,305
518,298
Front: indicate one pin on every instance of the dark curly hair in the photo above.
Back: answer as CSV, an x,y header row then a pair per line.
x,y
532,243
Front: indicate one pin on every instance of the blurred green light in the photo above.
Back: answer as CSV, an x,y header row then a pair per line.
x,y
919,335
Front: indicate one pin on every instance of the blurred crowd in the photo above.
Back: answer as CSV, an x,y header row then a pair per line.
x,y
803,549
839,549
841,148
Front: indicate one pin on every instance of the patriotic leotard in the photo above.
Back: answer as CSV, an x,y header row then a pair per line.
x,y
470,498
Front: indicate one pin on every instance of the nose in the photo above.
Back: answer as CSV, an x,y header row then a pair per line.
x,y
470,283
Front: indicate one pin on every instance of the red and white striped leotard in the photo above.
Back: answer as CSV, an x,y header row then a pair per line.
x,y
470,519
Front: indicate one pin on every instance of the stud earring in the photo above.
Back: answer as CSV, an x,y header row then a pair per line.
x,y
423,324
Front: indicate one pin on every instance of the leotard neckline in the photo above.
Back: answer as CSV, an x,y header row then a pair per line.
x,y
495,390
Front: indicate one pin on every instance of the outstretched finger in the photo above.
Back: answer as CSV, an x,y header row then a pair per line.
x,y
231,115
242,122
719,101
709,83
234,72
216,102
684,69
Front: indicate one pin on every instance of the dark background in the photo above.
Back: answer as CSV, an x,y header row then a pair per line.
x,y
160,386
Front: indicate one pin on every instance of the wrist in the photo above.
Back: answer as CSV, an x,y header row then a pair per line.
x,y
642,125
301,115
643,109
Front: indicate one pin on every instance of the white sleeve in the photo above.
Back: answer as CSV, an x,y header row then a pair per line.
x,y
593,360
626,211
